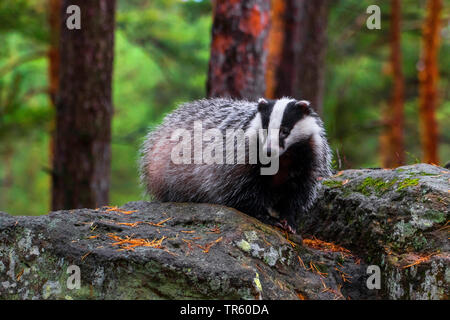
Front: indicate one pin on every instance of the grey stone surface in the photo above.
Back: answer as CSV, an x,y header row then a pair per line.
x,y
389,218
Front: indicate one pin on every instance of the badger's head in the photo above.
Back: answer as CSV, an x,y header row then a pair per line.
x,y
285,122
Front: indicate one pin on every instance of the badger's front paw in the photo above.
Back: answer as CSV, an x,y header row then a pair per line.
x,y
285,225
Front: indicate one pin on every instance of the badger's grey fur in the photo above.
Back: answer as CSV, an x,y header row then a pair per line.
x,y
304,157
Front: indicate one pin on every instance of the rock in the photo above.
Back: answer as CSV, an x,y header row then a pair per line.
x,y
199,251
396,219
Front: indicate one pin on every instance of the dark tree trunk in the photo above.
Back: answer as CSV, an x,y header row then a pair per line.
x,y
310,65
84,110
286,74
238,49
301,65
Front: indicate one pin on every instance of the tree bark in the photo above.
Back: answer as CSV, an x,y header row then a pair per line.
x,y
238,49
275,46
84,110
300,68
392,141
311,59
429,78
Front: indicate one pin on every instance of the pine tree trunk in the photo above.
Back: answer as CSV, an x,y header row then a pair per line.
x,y
84,109
392,147
287,78
238,49
300,65
429,77
311,59
275,46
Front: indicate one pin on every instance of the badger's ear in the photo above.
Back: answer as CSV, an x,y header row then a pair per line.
x,y
304,105
262,104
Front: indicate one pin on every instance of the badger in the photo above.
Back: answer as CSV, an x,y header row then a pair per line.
x,y
180,163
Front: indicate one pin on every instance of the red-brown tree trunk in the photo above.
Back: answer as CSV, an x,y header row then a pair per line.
x,y
238,49
429,78
84,109
392,146
286,74
275,46
300,65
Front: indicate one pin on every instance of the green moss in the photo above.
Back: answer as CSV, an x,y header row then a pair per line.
x,y
407,183
332,183
435,216
421,173
419,243
378,185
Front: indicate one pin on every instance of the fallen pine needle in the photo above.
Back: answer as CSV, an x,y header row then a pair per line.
x,y
301,262
129,243
117,209
159,224
20,274
420,260
316,270
214,230
208,246
84,256
290,242
301,296
326,246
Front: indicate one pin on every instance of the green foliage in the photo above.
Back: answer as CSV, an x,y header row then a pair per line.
x,y
358,86
161,59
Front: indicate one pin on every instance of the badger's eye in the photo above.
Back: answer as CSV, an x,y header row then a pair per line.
x,y
284,132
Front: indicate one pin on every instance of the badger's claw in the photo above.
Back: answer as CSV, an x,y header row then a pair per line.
x,y
283,224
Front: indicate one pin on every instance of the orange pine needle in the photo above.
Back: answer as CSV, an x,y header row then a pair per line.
x,y
208,246
129,243
84,256
300,296
214,230
420,260
326,246
117,209
20,274
301,262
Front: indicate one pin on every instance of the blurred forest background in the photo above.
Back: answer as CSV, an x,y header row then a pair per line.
x,y
161,58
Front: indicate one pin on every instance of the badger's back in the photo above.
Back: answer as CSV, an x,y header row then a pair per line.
x,y
299,144
214,183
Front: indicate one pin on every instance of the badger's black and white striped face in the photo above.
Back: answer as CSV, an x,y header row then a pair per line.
x,y
285,122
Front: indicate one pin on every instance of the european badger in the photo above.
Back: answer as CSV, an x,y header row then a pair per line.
x,y
294,137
